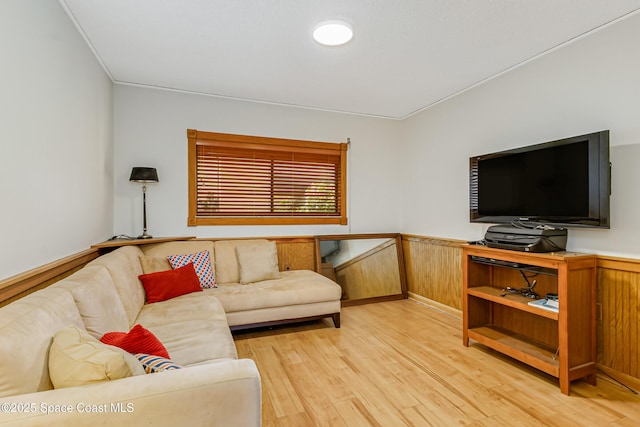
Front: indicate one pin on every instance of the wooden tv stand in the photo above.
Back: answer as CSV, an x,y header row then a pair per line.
x,y
563,343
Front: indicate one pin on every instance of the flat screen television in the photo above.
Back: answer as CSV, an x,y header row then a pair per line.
x,y
563,183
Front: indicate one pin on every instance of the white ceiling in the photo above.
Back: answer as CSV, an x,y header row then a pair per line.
x,y
405,56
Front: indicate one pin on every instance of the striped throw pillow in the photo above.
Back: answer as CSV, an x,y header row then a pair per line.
x,y
153,363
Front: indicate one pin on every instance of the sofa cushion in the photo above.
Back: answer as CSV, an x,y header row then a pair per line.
x,y
76,358
227,266
154,264
124,267
201,263
257,262
97,300
164,285
271,314
293,288
192,327
138,340
27,328
163,250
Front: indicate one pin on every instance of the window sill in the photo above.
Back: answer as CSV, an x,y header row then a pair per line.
x,y
197,221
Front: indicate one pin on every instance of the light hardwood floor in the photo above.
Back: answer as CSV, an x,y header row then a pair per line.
x,y
401,363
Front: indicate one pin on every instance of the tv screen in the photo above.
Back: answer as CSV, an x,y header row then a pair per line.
x,y
564,183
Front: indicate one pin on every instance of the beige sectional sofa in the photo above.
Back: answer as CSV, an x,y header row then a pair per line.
x,y
44,339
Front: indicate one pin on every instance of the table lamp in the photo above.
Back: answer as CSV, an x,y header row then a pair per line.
x,y
144,175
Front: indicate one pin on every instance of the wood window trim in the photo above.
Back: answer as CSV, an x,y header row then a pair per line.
x,y
195,137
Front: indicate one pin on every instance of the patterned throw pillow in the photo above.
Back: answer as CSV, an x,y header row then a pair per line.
x,y
153,363
201,262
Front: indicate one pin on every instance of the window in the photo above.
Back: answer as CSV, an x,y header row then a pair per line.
x,y
242,180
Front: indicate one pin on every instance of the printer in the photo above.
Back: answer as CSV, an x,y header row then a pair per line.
x,y
541,238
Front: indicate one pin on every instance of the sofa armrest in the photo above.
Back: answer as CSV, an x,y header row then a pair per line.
x,y
220,393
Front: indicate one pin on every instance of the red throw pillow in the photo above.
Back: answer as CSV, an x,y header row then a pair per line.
x,y
164,285
137,340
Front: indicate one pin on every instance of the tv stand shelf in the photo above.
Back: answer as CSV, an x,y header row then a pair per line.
x,y
518,347
518,302
561,343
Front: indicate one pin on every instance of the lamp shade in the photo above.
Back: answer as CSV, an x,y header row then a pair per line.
x,y
143,175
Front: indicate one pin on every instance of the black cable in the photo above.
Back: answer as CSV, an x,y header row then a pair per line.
x,y
619,382
122,237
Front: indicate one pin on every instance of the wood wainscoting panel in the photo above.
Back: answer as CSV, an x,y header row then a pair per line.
x,y
618,320
434,269
296,254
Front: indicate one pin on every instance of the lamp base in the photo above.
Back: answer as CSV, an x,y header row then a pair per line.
x,y
145,236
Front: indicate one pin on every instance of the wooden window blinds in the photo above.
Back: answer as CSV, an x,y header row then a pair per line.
x,y
243,180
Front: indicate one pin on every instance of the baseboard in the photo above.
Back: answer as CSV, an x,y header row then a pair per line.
x,y
625,380
434,304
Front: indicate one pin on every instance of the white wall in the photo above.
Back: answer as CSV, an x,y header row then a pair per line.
x,y
64,182
56,168
590,85
150,129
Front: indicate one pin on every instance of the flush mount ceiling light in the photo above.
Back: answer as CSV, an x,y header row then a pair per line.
x,y
332,33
